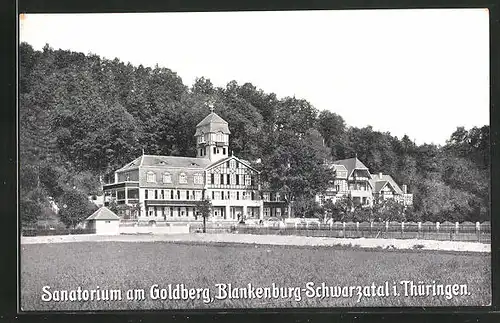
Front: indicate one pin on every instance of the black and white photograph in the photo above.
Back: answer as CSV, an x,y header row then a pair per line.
x,y
254,160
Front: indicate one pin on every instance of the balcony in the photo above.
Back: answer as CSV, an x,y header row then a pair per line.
x,y
360,193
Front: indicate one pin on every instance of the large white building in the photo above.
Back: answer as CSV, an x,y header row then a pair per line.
x,y
167,187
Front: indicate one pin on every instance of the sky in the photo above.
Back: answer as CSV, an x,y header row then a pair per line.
x,y
421,73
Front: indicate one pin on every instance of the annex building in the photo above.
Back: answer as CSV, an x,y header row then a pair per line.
x,y
354,181
167,187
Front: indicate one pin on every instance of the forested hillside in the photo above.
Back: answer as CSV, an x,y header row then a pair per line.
x,y
82,116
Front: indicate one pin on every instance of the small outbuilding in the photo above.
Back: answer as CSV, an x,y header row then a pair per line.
x,y
104,221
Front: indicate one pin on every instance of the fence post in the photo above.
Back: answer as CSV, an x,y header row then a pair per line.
x,y
386,228
357,228
437,227
478,231
343,229
419,226
402,228
371,228
331,224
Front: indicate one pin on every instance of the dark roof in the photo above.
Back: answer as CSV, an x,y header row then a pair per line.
x,y
103,214
133,164
212,123
175,161
380,182
351,164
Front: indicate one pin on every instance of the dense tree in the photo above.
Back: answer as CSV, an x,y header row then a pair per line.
x,y
76,207
83,116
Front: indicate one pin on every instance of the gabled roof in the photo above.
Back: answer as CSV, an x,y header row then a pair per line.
x,y
212,123
339,168
103,214
244,162
380,182
175,161
351,164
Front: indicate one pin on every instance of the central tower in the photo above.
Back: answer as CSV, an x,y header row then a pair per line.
x,y
212,137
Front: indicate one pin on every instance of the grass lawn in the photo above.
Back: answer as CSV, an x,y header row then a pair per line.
x,y
139,265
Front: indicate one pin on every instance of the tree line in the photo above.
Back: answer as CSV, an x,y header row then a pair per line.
x,y
83,116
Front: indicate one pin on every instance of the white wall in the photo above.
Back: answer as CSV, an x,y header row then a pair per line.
x,y
107,227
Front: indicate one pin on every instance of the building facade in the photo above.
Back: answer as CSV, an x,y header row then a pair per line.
x,y
167,188
353,180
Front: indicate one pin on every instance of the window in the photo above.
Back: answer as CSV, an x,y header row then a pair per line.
x,y
248,180
205,151
266,197
151,177
201,151
228,179
237,165
212,179
278,212
232,179
228,195
167,178
222,195
213,195
233,195
147,194
215,150
253,196
151,211
156,194
237,179
222,179
178,211
172,194
266,211
227,164
232,163
237,195
178,195
217,195
278,197
182,178
224,151
197,195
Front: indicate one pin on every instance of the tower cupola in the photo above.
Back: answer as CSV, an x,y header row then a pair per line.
x,y
212,137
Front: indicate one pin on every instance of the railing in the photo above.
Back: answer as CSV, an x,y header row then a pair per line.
x,y
386,230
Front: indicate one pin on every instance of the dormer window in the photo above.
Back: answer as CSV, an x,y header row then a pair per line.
x,y
182,178
167,178
151,177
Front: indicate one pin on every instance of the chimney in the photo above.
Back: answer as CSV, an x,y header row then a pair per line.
x,y
405,188
380,175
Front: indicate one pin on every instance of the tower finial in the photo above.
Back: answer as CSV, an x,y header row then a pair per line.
x,y
210,104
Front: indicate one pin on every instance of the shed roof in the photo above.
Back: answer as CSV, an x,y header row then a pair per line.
x,y
103,214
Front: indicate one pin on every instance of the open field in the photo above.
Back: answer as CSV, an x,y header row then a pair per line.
x,y
139,265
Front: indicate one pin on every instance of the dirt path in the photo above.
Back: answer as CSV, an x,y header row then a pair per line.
x,y
274,240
